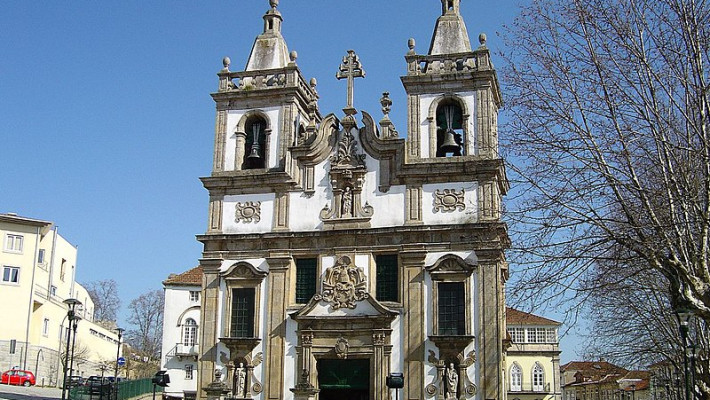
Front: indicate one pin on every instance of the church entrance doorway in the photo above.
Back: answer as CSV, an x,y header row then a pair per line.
x,y
343,379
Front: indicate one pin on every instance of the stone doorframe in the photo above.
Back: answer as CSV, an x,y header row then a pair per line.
x,y
343,337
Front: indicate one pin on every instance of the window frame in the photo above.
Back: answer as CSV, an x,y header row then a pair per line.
x,y
538,373
189,332
249,312
387,280
451,269
194,296
516,372
242,275
189,372
304,275
11,243
45,327
9,269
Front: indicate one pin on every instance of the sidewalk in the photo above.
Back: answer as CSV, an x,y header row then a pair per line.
x,y
8,392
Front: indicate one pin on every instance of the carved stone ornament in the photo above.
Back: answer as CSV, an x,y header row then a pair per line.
x,y
344,284
249,211
341,348
449,200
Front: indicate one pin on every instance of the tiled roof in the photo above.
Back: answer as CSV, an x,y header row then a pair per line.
x,y
191,277
517,317
14,218
593,372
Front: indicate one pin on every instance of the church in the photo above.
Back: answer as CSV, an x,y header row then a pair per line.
x,y
341,255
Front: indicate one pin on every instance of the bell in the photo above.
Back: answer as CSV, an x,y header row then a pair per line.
x,y
254,154
449,145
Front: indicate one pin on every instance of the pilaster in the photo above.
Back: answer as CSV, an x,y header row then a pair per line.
x,y
219,140
208,323
491,325
413,322
277,301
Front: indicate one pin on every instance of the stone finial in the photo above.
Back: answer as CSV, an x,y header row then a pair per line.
x,y
313,84
225,62
293,56
386,103
274,3
482,39
411,43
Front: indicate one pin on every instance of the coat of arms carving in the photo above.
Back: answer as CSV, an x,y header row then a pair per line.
x,y
344,284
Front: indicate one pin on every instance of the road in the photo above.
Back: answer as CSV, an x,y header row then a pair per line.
x,y
29,393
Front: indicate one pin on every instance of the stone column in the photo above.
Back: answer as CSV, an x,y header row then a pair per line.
x,y
413,322
491,324
239,151
209,331
379,368
276,303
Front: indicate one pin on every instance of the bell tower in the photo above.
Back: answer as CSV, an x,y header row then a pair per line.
x,y
452,92
260,109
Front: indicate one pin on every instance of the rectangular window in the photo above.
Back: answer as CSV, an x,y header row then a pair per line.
x,y
194,295
387,278
242,323
13,243
11,274
452,311
306,269
40,256
551,335
188,371
62,269
45,327
517,335
53,290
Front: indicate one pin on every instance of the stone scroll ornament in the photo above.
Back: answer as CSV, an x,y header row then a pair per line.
x,y
344,284
449,200
249,211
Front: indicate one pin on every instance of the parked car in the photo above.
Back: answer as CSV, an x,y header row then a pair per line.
x,y
98,385
76,380
18,377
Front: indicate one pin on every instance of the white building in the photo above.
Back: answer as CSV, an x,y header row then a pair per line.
x,y
180,333
38,274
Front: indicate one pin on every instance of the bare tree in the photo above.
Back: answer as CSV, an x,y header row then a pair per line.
x,y
610,137
106,301
146,316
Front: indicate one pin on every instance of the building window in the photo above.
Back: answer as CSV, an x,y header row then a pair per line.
x,y
449,129
306,276
45,327
40,256
13,243
11,274
53,290
242,322
188,371
551,335
189,333
255,154
194,295
516,378
62,269
517,335
452,312
538,378
387,277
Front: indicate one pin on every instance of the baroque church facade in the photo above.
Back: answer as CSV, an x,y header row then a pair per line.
x,y
338,253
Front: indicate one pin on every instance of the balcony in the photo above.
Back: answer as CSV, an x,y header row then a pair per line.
x,y
184,351
530,388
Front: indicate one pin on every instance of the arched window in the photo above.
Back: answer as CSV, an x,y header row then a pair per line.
x,y
538,378
449,129
516,378
189,332
255,148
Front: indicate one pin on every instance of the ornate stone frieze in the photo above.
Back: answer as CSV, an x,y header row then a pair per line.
x,y
249,211
449,200
344,284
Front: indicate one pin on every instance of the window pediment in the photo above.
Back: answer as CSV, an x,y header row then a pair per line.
x,y
243,271
450,268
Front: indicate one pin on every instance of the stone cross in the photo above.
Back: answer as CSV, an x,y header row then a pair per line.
x,y
350,69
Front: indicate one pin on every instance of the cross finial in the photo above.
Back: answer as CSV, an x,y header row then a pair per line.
x,y
350,69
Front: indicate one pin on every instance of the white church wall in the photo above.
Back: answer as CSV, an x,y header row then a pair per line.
x,y
230,224
304,209
466,216
291,367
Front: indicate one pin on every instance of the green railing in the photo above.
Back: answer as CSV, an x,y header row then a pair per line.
x,y
126,390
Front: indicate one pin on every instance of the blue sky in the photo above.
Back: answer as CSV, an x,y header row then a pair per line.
x,y
107,122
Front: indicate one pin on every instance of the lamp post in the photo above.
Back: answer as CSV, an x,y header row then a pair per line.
x,y
72,305
118,354
684,316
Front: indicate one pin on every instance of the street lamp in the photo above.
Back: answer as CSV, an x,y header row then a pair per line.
x,y
118,354
72,305
684,315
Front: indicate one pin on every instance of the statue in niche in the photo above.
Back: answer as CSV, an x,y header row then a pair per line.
x,y
240,381
452,382
347,208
